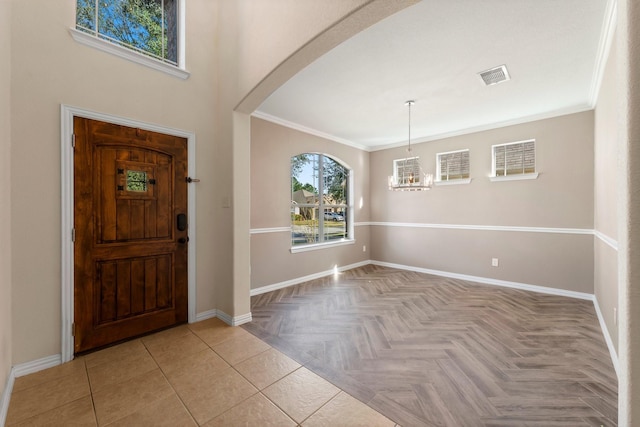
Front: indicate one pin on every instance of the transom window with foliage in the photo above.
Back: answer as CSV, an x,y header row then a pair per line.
x,y
515,158
452,166
149,27
319,199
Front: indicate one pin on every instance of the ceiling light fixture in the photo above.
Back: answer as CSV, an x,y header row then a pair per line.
x,y
407,173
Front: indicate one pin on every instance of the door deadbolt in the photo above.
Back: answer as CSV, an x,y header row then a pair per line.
x,y
182,222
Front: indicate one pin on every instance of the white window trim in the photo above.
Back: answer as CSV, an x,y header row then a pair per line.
x,y
137,57
350,212
460,181
520,177
517,177
438,181
323,245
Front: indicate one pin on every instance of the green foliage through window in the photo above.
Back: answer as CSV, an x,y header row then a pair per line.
x,y
136,181
147,26
319,199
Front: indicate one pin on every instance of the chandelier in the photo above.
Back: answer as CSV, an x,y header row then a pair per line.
x,y
407,172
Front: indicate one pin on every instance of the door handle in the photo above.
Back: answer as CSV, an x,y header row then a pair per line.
x,y
183,240
181,222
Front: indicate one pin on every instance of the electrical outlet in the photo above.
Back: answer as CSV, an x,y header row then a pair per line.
x,y
615,316
364,248
494,262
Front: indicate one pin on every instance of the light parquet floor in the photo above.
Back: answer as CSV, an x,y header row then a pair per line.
x,y
431,351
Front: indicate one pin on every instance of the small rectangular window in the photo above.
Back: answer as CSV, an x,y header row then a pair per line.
x,y
452,166
514,159
149,27
406,171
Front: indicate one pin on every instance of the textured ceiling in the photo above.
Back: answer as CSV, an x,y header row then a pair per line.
x,y
432,53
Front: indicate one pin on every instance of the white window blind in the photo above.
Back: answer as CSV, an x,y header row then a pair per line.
x,y
516,158
407,170
452,165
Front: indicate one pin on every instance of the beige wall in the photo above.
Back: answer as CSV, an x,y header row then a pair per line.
x,y
272,147
264,44
230,50
628,76
5,194
606,196
561,197
261,45
49,68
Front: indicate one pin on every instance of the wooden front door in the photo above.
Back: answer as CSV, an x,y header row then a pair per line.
x,y
130,212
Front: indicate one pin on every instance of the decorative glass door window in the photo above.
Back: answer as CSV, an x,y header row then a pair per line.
x,y
136,181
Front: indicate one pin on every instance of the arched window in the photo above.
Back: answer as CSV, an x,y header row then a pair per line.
x,y
320,202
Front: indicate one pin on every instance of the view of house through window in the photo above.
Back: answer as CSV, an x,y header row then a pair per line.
x,y
149,27
319,199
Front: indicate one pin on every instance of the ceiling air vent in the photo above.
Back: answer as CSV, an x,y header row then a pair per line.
x,y
495,75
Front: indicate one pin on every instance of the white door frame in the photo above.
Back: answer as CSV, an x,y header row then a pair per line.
x,y
67,113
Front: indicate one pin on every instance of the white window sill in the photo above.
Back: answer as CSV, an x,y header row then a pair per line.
x,y
454,182
318,246
514,177
128,54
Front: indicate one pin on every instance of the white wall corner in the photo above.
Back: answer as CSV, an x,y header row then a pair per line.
x,y
20,371
6,397
242,319
607,337
233,321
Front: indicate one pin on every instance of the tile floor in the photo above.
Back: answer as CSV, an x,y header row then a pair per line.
x,y
205,374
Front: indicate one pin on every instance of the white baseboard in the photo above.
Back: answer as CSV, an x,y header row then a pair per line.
x,y
209,314
229,320
6,397
20,371
287,283
490,281
242,319
485,280
37,365
607,338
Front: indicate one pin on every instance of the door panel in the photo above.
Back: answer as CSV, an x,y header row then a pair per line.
x,y
132,287
130,264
